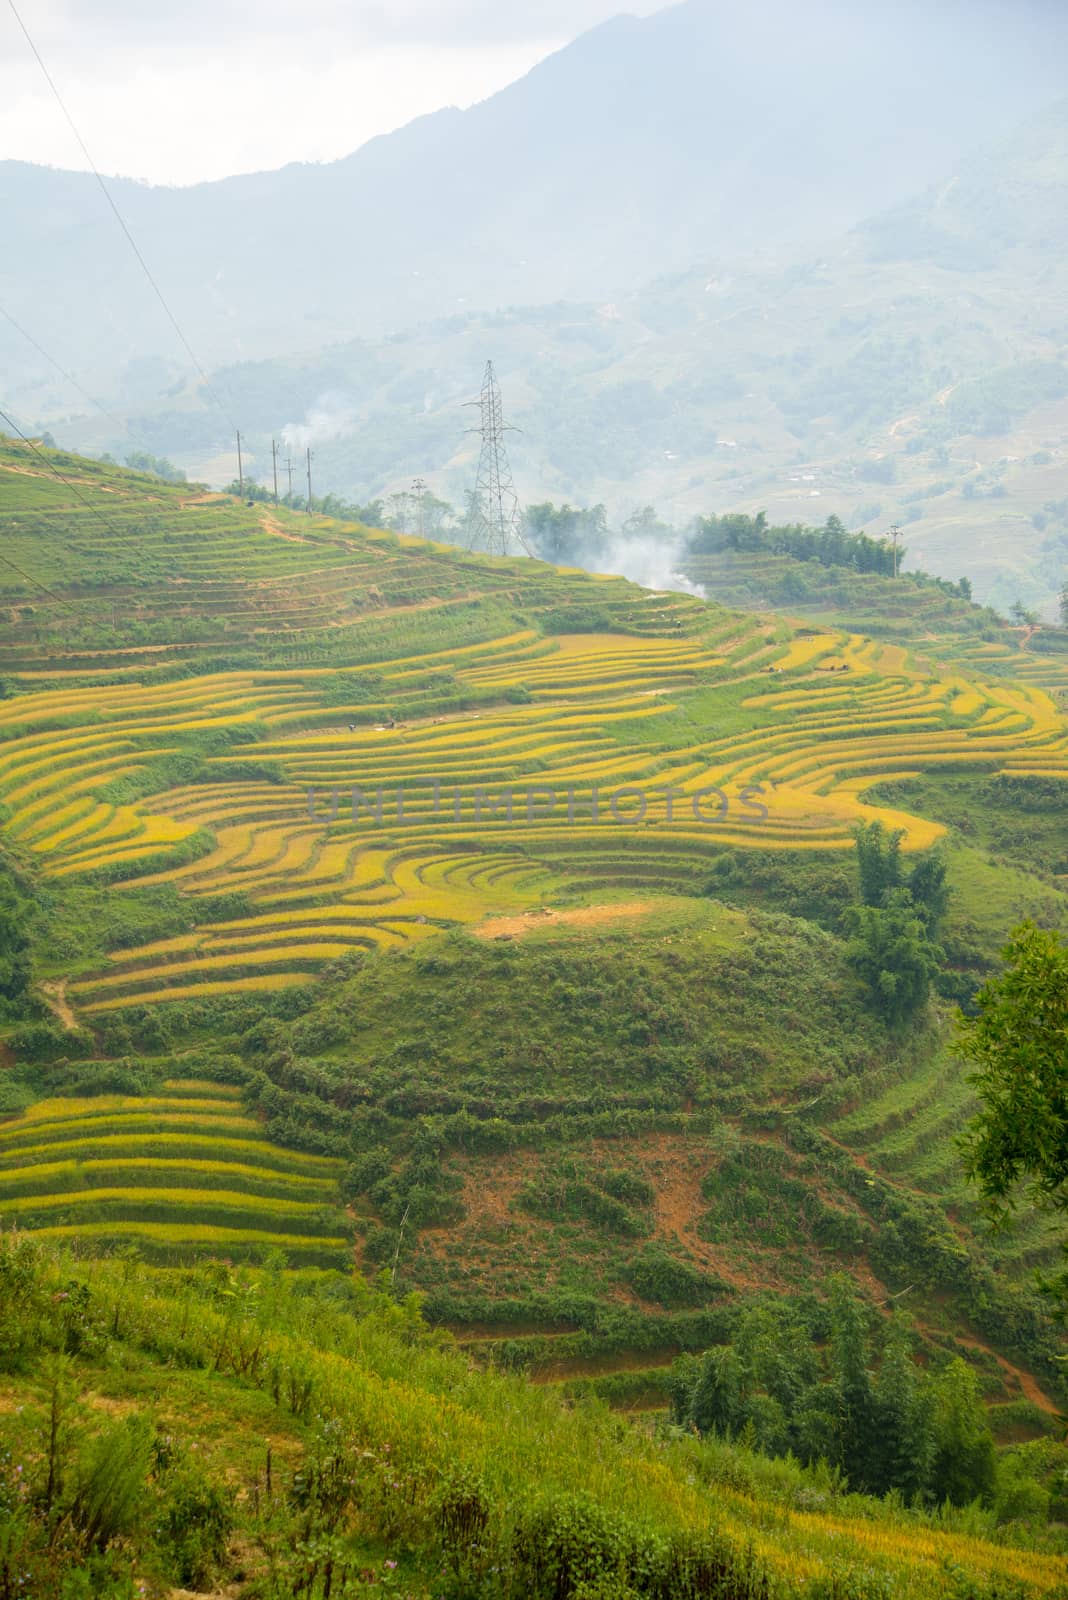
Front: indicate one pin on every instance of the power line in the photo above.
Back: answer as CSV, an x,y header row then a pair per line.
x,y
37,584
122,426
72,487
121,220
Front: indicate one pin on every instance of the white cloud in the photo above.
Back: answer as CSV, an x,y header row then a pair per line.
x,y
179,94
190,120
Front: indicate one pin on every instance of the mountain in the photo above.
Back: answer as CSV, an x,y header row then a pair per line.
x,y
706,129
914,370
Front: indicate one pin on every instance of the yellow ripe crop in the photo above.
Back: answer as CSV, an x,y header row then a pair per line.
x,y
179,1233
179,1197
55,1173
58,1106
143,1147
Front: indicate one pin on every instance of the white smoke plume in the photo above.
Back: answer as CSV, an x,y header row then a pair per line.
x,y
653,564
333,414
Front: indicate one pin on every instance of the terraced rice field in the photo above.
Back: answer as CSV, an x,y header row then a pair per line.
x,y
353,780
182,1169
909,1134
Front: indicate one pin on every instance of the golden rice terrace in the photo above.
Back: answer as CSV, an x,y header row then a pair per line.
x,y
366,738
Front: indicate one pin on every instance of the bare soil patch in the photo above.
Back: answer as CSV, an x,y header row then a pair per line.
x,y
515,927
54,994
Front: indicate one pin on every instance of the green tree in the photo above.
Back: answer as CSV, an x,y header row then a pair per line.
x,y
929,890
892,952
903,1446
716,1403
964,1467
878,861
566,534
16,916
1018,1045
851,1380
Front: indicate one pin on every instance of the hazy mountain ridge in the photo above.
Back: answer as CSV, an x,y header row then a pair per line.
x,y
875,388
641,147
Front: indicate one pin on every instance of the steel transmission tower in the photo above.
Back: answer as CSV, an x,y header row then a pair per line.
x,y
493,515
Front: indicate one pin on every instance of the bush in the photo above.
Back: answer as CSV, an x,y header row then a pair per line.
x,y
195,1523
46,1041
666,1281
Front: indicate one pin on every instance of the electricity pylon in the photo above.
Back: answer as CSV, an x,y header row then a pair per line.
x,y
493,514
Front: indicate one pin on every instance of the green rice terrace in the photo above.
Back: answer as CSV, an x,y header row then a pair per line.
x,y
492,928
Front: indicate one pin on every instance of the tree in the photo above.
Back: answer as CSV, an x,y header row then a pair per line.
x,y
854,1402
645,524
894,929
156,466
1018,1044
16,915
567,535
892,952
841,1388
878,861
929,890
903,1446
716,1402
1064,605
965,1465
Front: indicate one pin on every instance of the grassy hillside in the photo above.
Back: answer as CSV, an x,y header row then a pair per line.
x,y
596,1089
307,1436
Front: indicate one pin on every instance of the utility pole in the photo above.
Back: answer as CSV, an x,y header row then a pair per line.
x,y
274,468
309,480
418,494
895,535
240,470
289,470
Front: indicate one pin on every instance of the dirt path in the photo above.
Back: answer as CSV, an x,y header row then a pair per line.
x,y
272,525
1026,1381
54,994
50,477
677,1206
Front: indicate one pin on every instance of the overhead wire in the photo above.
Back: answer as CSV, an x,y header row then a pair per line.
x,y
69,376
7,561
120,219
37,584
55,472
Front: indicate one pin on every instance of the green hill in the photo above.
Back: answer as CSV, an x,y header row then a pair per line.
x,y
606,1093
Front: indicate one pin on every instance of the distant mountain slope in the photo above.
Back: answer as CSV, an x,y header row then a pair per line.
x,y
915,370
644,145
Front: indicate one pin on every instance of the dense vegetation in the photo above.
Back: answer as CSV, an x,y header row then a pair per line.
x,y
601,1093
308,1436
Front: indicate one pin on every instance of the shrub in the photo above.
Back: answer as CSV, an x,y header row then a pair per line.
x,y
195,1523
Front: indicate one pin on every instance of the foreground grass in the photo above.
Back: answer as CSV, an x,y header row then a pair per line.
x,y
355,1449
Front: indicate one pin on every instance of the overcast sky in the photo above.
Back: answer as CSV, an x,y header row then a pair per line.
x,y
205,88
